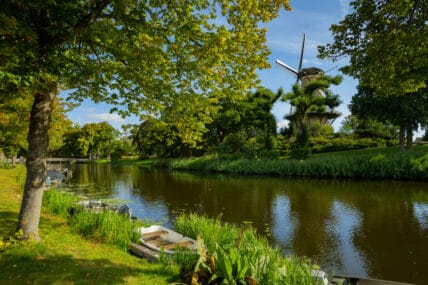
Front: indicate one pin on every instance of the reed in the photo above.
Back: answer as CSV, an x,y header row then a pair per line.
x,y
267,264
380,163
106,226
212,231
59,203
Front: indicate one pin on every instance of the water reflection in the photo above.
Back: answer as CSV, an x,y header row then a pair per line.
x,y
377,229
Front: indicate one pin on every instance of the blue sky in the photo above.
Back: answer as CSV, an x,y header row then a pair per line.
x,y
284,37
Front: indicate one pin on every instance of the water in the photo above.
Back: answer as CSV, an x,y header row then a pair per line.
x,y
377,229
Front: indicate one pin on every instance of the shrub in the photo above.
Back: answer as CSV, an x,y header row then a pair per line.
x,y
300,152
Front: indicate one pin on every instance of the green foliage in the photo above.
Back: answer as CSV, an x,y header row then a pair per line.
x,y
377,163
230,267
342,143
386,44
406,111
106,226
307,100
155,137
212,231
94,140
241,256
301,152
13,241
163,58
244,127
59,203
316,129
14,124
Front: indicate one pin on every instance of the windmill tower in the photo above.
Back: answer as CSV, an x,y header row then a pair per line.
x,y
306,75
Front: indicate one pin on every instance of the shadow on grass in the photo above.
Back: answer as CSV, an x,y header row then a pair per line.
x,y
8,222
24,267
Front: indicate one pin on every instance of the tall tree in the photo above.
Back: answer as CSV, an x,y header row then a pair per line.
x,y
408,111
99,138
144,55
386,42
247,119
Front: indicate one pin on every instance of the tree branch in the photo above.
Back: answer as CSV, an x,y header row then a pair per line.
x,y
89,18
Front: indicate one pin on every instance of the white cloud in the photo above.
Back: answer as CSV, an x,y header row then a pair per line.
x,y
105,117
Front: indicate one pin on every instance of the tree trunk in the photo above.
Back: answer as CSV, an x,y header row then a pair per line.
x,y
401,136
38,145
14,161
409,137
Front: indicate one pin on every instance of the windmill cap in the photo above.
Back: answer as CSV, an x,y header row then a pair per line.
x,y
310,71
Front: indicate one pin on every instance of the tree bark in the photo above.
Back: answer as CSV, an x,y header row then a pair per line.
x,y
38,145
409,137
401,136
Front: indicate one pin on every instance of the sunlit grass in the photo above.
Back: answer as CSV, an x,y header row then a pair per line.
x,y
379,163
63,256
267,264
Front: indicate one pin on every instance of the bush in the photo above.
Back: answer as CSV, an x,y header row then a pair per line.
x,y
328,144
300,152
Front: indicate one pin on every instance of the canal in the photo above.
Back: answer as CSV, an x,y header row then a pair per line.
x,y
363,228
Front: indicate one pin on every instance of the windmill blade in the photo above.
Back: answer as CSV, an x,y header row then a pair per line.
x,y
301,52
288,68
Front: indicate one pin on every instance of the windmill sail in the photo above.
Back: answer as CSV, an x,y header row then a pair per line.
x,y
301,56
288,68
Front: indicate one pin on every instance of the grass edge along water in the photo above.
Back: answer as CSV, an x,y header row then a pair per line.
x,y
377,163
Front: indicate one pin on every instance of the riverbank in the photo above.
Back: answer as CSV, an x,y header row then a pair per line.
x,y
378,163
63,256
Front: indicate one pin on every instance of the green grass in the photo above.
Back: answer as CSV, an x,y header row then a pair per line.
x,y
63,256
379,163
267,264
107,226
129,161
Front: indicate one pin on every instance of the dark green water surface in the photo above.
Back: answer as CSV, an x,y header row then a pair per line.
x,y
364,228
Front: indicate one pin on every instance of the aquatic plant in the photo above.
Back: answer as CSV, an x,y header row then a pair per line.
x,y
59,203
106,226
379,163
231,247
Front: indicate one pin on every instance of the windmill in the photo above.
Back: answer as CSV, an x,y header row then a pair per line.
x,y
305,75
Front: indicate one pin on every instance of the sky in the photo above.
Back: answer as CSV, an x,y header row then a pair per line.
x,y
284,38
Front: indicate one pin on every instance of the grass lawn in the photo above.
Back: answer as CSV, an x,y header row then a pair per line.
x,y
63,257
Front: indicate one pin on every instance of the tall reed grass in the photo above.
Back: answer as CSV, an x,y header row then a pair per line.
x,y
382,163
59,203
267,264
106,226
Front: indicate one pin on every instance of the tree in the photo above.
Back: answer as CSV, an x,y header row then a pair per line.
x,y
146,56
13,126
14,123
307,100
100,138
240,121
386,42
407,111
154,137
